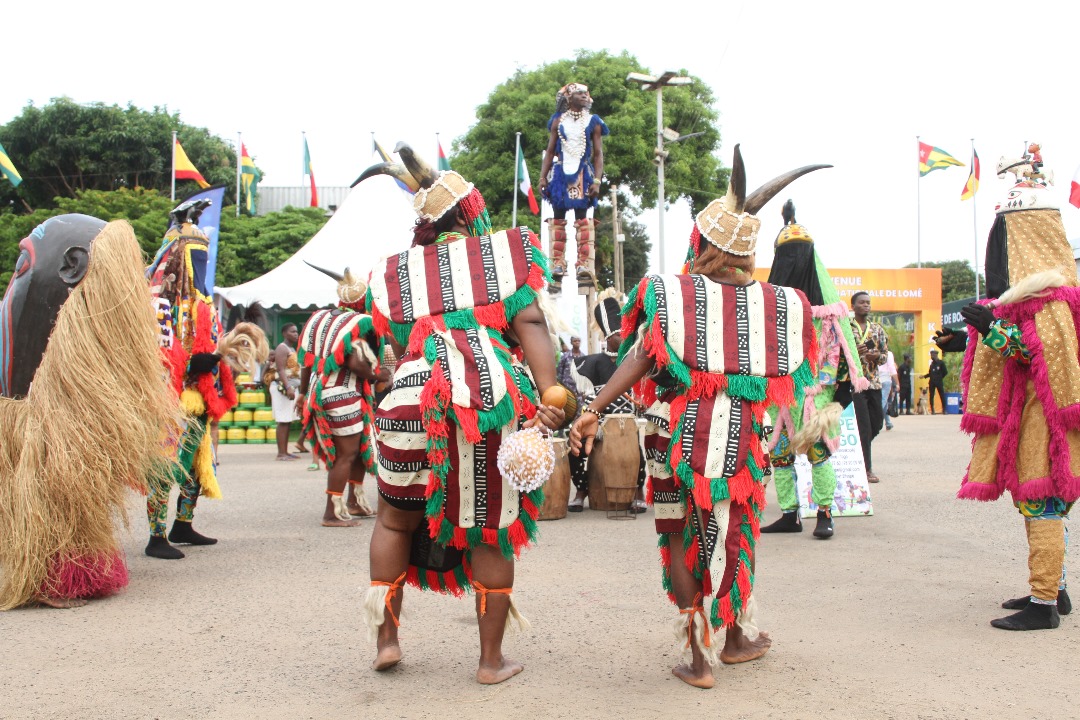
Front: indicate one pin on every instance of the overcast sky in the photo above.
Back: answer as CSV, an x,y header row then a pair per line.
x,y
846,83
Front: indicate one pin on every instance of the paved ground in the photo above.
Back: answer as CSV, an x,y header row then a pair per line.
x,y
890,619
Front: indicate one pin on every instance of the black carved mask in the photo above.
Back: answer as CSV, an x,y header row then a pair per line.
x,y
53,259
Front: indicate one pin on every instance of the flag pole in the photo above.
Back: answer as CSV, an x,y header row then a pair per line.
x,y
975,217
303,138
239,160
517,157
918,210
438,147
172,189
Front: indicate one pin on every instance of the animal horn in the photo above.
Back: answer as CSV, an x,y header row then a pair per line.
x,y
737,184
329,273
394,170
420,170
768,191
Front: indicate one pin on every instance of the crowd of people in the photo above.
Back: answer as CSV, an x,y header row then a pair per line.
x,y
437,375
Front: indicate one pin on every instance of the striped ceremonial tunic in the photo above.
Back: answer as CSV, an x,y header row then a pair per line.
x,y
729,350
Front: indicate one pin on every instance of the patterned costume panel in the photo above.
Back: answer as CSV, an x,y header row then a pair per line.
x,y
339,403
458,390
729,351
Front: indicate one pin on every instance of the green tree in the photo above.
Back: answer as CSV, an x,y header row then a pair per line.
x,y
526,101
957,279
65,147
252,246
247,246
636,248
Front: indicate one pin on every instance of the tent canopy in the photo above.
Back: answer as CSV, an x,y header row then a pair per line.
x,y
374,221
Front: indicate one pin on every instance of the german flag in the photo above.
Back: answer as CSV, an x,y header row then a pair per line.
x,y
183,169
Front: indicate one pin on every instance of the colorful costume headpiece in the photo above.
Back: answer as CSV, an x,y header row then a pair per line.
x,y
351,290
435,192
730,223
795,263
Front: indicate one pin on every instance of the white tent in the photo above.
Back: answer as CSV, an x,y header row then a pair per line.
x,y
374,221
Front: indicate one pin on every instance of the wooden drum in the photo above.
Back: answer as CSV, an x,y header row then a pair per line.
x,y
613,464
557,488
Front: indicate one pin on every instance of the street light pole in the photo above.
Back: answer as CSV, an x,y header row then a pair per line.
x,y
648,82
660,201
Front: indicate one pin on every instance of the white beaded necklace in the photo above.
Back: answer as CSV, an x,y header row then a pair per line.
x,y
573,123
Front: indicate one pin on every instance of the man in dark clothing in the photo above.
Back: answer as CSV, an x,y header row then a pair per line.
x,y
903,371
937,374
591,373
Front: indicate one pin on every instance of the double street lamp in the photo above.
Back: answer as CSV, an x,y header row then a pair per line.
x,y
648,82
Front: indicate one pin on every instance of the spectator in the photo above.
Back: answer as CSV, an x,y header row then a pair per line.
x,y
937,374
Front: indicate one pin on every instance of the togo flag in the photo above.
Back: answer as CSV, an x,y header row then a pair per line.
x,y
525,183
7,168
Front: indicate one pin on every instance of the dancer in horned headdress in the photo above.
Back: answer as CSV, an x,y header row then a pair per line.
x,y
721,347
812,427
1022,391
570,179
461,309
340,353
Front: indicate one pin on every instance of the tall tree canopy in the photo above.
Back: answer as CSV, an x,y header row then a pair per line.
x,y
526,101
65,147
248,246
957,279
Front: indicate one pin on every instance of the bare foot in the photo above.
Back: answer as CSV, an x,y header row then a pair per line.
x,y
688,675
336,522
60,603
358,511
738,649
388,657
486,675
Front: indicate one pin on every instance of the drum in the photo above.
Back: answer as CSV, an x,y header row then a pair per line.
x,y
613,464
557,488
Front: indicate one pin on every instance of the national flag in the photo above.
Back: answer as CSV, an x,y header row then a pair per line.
x,y
183,169
7,168
444,164
311,174
525,184
249,179
972,185
934,158
376,149
1074,192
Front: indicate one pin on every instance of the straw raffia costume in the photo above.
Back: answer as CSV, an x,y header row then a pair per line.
x,y
723,354
76,322
811,428
1022,390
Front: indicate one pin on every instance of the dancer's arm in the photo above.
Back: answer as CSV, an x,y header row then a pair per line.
x,y
633,367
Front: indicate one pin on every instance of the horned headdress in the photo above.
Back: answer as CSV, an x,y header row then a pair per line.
x,y
435,193
730,223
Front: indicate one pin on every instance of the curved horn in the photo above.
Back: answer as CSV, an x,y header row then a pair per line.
x,y
737,184
766,192
394,170
324,271
420,170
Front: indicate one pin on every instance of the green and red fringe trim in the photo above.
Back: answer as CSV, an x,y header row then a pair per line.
x,y
437,410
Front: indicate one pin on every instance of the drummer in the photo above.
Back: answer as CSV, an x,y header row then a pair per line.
x,y
590,374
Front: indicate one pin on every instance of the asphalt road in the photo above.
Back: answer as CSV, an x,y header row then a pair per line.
x,y
889,619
